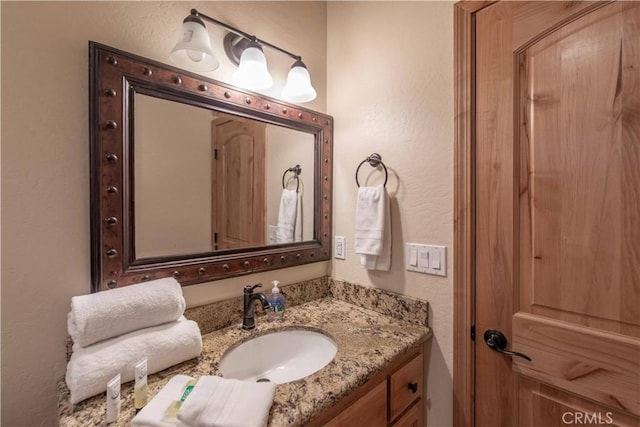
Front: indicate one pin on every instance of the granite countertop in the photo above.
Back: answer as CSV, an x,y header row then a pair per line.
x,y
367,342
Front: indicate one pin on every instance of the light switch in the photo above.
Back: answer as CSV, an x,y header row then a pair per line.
x,y
424,258
429,259
413,257
435,260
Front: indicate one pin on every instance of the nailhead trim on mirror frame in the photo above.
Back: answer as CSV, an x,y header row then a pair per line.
x,y
113,76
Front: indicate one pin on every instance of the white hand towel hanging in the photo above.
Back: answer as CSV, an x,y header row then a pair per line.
x,y
287,216
373,228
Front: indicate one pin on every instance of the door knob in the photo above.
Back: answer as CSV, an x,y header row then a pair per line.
x,y
496,341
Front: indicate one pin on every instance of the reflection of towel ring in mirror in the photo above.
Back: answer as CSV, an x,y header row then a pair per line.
x,y
297,170
374,161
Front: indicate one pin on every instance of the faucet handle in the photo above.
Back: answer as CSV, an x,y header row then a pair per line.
x,y
249,289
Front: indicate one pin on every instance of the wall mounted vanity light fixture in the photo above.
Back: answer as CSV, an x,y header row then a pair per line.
x,y
193,52
298,87
252,73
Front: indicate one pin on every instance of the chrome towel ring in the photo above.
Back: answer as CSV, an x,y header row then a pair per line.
x,y
296,170
374,161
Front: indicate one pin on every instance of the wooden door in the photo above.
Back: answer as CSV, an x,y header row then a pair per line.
x,y
238,188
558,213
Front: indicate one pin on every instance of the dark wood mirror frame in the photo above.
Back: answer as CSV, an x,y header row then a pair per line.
x,y
114,77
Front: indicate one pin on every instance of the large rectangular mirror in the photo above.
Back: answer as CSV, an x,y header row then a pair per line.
x,y
200,180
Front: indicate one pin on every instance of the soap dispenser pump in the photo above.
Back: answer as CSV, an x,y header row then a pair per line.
x,y
276,301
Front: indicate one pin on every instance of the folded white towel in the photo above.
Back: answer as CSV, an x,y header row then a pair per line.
x,y
153,414
287,216
165,345
103,315
370,216
219,402
373,228
383,260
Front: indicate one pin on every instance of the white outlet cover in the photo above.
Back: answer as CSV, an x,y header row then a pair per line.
x,y
339,248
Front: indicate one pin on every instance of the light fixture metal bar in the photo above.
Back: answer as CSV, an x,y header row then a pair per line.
x,y
241,33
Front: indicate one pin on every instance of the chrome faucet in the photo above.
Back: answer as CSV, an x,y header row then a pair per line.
x,y
248,322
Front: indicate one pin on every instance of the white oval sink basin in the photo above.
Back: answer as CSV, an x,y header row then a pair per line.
x,y
279,357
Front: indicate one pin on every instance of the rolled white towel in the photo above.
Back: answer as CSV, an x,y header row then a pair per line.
x,y
165,345
103,315
219,402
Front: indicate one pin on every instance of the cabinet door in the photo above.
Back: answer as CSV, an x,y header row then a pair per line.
x,y
370,410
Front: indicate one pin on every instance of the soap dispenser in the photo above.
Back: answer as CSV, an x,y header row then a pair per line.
x,y
276,301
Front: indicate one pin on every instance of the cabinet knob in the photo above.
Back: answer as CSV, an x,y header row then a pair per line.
x,y
413,387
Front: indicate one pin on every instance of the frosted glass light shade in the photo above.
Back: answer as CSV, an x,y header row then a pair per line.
x,y
298,87
252,72
193,51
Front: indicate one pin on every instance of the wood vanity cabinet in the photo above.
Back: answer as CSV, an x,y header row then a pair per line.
x,y
370,410
394,398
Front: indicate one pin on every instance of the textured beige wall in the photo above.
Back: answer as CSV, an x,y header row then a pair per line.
x,y
45,163
390,89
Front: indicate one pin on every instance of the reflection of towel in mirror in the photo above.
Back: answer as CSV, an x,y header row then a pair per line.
x,y
288,217
217,401
373,228
297,232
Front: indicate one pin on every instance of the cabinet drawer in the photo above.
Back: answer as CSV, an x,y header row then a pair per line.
x,y
406,385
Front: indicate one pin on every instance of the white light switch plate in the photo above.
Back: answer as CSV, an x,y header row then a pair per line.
x,y
339,248
428,259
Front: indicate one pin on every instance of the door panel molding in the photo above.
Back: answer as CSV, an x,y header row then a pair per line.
x,y
546,405
592,363
530,17
558,239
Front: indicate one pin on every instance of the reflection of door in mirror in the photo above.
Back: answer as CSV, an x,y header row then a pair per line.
x,y
238,195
